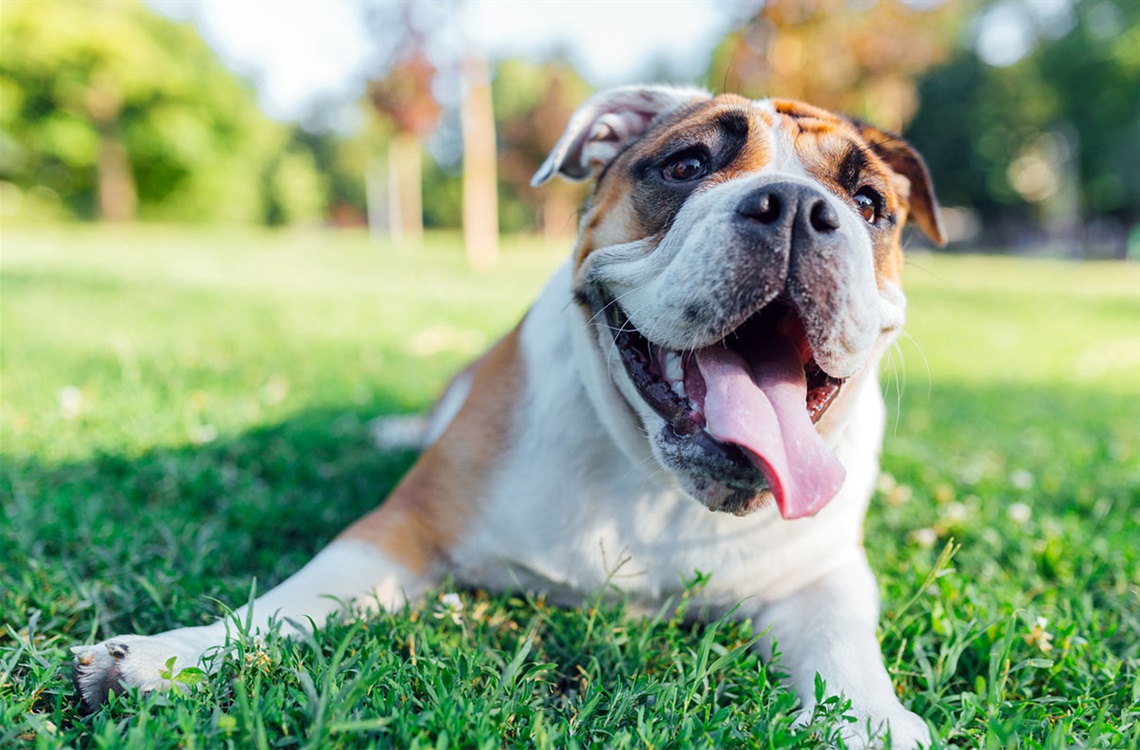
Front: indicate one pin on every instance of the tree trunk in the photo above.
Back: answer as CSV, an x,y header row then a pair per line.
x,y
116,184
405,189
376,192
480,178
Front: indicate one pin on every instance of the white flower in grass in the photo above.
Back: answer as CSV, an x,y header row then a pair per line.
x,y
886,482
1039,636
925,537
956,513
1019,512
1021,479
70,402
451,607
275,391
893,492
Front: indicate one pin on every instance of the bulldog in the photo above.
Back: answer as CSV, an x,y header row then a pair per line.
x,y
695,389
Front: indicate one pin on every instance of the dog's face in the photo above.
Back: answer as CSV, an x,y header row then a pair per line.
x,y
739,268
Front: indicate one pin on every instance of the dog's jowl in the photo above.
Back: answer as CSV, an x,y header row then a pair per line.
x,y
712,344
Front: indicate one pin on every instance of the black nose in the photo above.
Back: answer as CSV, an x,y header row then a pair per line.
x,y
782,205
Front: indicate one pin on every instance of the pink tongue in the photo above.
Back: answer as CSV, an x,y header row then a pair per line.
x,y
762,407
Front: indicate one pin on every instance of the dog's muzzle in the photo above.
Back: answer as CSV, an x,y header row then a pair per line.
x,y
745,406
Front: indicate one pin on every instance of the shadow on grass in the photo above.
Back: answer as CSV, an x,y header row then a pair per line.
x,y
140,542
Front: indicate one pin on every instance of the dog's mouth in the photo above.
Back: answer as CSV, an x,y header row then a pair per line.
x,y
755,395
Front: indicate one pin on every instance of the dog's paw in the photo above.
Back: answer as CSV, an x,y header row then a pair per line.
x,y
907,729
133,661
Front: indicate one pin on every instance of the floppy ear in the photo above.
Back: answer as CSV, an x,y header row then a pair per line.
x,y
605,124
905,161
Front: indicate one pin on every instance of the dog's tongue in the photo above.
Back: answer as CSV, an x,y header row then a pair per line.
x,y
760,404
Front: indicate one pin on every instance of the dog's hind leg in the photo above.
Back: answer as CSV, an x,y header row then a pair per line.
x,y
395,432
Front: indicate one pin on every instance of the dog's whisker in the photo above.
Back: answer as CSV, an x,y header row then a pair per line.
x,y
896,376
925,362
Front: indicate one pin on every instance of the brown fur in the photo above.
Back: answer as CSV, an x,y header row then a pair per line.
x,y
439,497
821,140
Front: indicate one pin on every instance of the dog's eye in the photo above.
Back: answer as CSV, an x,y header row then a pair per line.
x,y
869,204
685,168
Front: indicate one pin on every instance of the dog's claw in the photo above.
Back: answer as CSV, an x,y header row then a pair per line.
x,y
117,649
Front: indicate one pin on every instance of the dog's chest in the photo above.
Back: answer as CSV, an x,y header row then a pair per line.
x,y
568,512
570,539
571,516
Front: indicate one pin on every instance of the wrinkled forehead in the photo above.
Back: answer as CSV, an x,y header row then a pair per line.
x,y
777,133
775,136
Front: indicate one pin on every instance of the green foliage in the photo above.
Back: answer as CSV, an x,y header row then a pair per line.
x,y
182,412
75,75
343,162
974,120
295,189
532,104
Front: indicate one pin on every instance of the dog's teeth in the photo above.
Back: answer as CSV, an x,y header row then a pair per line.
x,y
674,372
679,389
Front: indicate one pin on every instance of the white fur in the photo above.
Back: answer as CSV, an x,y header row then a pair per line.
x,y
344,574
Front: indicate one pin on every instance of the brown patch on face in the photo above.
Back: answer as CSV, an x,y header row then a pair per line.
x,y
843,155
631,202
911,177
834,152
439,497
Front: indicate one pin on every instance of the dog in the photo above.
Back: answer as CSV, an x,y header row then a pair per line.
x,y
712,344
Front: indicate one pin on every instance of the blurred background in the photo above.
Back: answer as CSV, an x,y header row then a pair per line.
x,y
413,115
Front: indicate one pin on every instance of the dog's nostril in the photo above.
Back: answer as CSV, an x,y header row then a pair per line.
x,y
764,207
823,217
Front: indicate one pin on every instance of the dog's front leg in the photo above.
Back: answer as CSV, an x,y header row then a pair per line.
x,y
348,572
828,628
387,557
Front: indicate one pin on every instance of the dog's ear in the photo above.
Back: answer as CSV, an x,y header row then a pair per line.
x,y
607,123
903,160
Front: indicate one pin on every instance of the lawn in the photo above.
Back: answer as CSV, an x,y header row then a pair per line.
x,y
183,410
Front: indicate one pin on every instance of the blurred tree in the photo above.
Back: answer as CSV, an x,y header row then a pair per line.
x,y
851,56
998,137
424,60
404,97
480,181
443,187
343,160
295,191
119,110
533,103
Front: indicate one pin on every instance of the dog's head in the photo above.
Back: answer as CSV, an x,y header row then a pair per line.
x,y
738,267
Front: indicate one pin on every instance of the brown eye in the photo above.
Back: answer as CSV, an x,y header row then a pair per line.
x,y
685,169
869,204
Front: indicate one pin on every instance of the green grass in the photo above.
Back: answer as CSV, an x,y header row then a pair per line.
x,y
181,411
